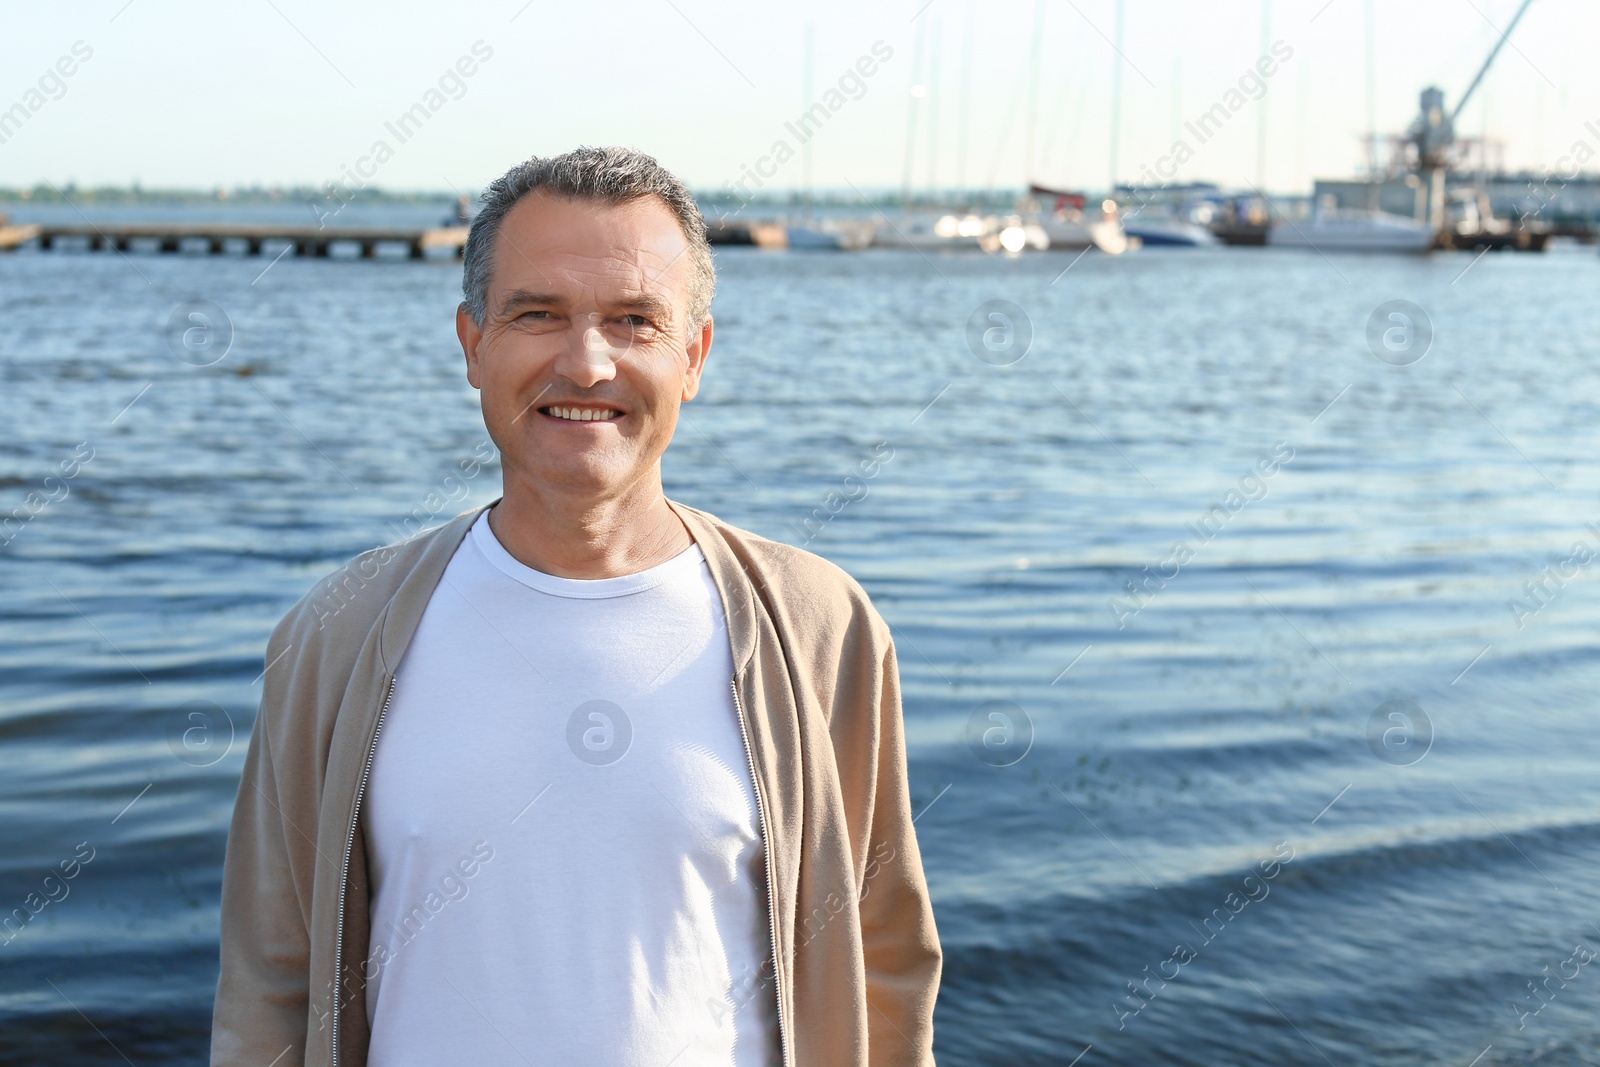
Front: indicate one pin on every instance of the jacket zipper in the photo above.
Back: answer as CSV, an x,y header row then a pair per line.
x,y
344,874
772,913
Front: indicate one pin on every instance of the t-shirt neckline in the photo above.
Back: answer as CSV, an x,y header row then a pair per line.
x,y
484,540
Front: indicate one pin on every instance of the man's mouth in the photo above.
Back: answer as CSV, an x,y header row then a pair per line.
x,y
580,414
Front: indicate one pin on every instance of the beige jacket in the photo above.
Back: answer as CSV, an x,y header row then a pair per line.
x,y
858,957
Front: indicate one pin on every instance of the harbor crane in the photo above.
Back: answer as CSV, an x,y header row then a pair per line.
x,y
1432,133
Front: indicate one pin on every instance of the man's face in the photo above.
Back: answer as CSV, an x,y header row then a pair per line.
x,y
586,351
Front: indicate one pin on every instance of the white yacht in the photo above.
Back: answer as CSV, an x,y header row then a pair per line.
x,y
832,235
1353,230
928,232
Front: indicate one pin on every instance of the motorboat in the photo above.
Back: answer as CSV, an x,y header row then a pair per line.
x,y
1175,217
1168,231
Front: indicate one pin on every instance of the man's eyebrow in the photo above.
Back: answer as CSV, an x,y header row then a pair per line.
x,y
647,302
523,297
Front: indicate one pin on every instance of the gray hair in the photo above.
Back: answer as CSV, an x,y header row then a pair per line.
x,y
609,175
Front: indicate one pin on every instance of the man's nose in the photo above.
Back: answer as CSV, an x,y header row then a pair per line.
x,y
589,358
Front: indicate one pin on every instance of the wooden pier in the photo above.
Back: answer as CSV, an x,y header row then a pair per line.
x,y
216,238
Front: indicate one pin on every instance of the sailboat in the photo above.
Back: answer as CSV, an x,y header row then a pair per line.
x,y
1070,228
1060,219
811,232
929,234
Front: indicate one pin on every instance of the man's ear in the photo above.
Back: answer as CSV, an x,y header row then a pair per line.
x,y
471,336
699,351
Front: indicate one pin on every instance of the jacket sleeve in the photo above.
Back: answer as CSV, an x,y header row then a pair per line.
x,y
899,939
260,1016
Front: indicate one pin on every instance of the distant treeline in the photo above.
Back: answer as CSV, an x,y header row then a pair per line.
x,y
135,194
718,201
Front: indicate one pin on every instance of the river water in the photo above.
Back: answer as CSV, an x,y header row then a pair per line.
x,y
1323,788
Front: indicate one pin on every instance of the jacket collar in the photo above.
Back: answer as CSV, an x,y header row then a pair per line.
x,y
405,607
733,581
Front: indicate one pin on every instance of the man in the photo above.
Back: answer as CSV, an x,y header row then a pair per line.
x,y
587,776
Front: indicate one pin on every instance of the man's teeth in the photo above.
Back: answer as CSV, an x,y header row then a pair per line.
x,y
584,414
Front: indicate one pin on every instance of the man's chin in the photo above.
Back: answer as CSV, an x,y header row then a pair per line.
x,y
590,473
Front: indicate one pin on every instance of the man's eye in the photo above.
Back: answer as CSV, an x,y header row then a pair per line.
x,y
636,321
534,315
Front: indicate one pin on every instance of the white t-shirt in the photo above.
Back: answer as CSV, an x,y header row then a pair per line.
x,y
562,833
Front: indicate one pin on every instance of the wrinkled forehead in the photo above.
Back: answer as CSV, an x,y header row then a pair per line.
x,y
586,250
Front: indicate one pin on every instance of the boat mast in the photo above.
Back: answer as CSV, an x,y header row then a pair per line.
x,y
933,112
966,85
1372,97
1261,105
1032,119
911,117
810,204
1177,98
1116,99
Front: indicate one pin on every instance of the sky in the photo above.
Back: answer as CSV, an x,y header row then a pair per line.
x,y
285,92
